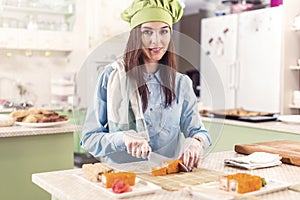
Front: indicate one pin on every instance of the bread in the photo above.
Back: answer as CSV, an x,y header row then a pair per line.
x,y
6,120
109,178
19,115
37,116
240,183
29,119
93,172
168,167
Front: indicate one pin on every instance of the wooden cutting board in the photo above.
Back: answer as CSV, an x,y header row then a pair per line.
x,y
288,150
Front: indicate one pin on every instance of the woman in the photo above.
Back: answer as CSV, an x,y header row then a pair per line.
x,y
142,104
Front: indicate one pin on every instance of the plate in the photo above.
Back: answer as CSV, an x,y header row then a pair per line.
x,y
213,188
141,187
290,118
41,125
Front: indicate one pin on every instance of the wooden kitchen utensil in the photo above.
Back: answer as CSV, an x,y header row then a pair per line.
x,y
288,150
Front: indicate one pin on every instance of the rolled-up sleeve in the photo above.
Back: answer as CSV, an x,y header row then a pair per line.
x,y
190,121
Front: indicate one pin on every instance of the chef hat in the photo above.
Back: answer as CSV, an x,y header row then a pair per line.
x,y
141,11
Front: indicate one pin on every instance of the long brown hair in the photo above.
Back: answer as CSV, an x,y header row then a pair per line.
x,y
133,60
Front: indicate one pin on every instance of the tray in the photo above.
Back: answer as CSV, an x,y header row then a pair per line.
x,y
246,115
141,187
212,190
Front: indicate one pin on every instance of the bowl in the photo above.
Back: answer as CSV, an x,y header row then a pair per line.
x,y
6,120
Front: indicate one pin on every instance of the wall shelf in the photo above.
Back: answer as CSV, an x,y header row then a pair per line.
x,y
67,11
295,67
294,106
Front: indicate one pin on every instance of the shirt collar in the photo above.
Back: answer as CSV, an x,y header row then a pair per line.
x,y
155,75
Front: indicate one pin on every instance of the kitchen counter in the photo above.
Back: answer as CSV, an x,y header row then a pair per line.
x,y
271,125
64,185
24,151
15,131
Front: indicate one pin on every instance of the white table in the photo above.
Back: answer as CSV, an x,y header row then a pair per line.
x,y
64,186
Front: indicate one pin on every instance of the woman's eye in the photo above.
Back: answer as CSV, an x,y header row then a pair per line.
x,y
147,32
164,31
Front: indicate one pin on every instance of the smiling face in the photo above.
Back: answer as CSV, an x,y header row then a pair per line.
x,y
156,37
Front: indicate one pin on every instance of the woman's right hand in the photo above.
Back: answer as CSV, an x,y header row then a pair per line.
x,y
136,145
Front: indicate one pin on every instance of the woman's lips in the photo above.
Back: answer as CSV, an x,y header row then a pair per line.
x,y
156,49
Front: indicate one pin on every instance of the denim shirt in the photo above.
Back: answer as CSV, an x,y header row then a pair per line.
x,y
167,127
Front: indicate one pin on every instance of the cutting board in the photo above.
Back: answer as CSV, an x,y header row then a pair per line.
x,y
173,182
288,150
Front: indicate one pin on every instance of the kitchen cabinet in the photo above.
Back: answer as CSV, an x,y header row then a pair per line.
x,y
37,25
104,21
24,151
235,132
291,54
296,69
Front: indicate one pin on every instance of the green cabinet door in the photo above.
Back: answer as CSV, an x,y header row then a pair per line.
x,y
233,134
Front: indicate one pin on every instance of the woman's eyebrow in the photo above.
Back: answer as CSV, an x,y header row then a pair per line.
x,y
146,27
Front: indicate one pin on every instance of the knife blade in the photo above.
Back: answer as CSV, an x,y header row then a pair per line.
x,y
157,158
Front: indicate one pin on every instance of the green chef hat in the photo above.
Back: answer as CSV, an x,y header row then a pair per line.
x,y
141,11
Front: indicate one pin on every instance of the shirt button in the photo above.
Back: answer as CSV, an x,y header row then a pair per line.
x,y
151,109
150,126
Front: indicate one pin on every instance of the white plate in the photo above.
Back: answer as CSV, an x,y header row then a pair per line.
x,y
290,118
212,188
41,125
141,187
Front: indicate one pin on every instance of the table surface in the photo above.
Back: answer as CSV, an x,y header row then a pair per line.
x,y
65,186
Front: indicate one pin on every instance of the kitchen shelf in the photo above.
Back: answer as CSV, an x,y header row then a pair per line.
x,y
295,67
37,10
24,39
294,107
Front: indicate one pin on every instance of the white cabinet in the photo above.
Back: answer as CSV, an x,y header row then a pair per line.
x,y
104,20
37,25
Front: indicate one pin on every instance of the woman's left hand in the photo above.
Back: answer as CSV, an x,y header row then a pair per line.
x,y
191,153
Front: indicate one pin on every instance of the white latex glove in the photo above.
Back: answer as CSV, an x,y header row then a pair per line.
x,y
191,153
137,146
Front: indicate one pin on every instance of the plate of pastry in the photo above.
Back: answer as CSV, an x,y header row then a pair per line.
x,y
41,124
38,118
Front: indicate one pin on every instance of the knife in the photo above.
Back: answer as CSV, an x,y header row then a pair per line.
x,y
157,158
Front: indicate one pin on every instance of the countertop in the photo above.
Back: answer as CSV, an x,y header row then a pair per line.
x,y
271,125
15,131
65,186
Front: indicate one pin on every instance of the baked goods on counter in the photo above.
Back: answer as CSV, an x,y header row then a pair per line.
x,y
241,183
37,116
93,172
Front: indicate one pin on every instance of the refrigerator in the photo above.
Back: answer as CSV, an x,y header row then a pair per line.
x,y
245,51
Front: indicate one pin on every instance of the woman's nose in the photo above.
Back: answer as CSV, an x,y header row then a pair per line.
x,y
154,37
